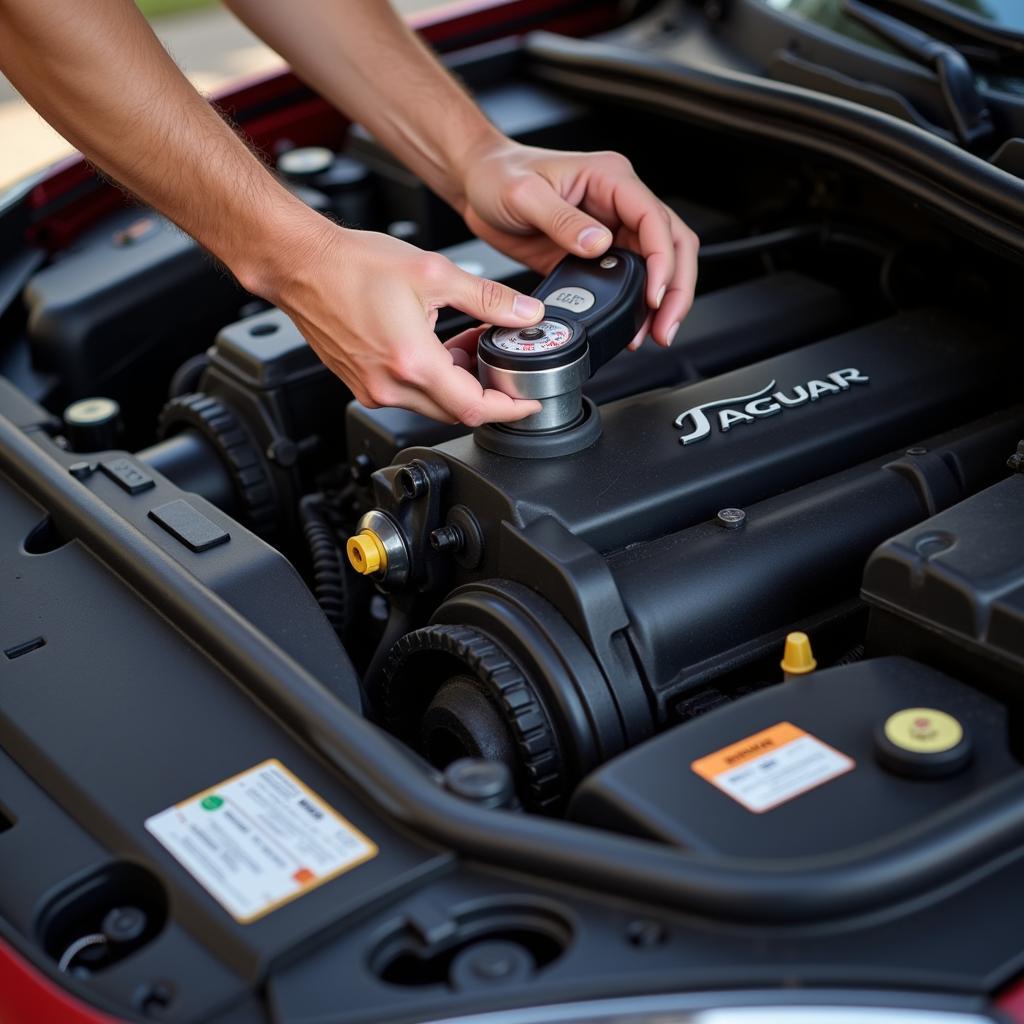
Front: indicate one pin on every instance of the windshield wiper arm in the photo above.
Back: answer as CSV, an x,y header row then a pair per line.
x,y
969,114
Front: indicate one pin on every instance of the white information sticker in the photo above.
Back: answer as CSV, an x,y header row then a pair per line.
x,y
260,840
773,766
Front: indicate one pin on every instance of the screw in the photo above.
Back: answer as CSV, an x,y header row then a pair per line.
x,y
917,451
284,452
124,924
488,783
732,518
447,538
609,263
412,481
646,933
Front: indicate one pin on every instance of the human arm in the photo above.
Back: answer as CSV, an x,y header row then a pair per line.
x,y
533,204
366,302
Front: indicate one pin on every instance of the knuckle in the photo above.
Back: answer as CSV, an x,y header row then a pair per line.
x,y
492,296
432,268
406,367
519,190
565,220
473,415
381,394
616,161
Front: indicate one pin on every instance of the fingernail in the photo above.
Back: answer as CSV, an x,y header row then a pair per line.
x,y
661,297
591,238
671,336
527,308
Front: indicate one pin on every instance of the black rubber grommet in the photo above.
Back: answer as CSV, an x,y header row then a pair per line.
x,y
235,447
490,964
521,444
424,663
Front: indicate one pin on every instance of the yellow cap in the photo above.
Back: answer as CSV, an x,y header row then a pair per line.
x,y
798,658
923,730
366,553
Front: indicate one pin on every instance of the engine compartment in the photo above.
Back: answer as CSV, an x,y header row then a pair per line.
x,y
825,440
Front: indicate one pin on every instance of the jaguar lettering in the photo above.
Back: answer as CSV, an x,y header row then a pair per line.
x,y
763,403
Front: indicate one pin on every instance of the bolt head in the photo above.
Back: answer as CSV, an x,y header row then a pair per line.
x,y
283,452
482,782
732,518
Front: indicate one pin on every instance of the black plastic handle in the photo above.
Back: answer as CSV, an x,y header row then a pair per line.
x,y
604,296
602,300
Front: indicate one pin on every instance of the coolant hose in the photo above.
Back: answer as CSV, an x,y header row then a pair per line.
x,y
330,585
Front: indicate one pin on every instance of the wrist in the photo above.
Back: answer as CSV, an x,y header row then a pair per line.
x,y
277,255
479,146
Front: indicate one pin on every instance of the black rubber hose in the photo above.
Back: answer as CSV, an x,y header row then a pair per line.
x,y
330,584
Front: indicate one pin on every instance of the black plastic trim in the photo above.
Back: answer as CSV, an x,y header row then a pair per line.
x,y
943,848
929,169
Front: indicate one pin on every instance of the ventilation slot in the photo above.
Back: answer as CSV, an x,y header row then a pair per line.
x,y
27,647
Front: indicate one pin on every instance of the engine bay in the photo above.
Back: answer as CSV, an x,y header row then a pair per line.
x,y
763,610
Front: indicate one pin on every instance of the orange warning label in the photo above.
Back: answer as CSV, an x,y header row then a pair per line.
x,y
772,766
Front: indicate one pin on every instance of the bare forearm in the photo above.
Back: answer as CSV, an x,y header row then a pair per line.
x,y
98,74
361,56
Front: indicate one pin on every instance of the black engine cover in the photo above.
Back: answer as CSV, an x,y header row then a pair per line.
x,y
746,435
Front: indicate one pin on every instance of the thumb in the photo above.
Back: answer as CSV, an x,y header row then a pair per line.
x,y
572,229
491,302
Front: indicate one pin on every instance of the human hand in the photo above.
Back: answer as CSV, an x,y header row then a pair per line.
x,y
367,304
537,204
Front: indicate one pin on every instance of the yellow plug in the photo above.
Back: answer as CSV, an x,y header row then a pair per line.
x,y
366,553
798,658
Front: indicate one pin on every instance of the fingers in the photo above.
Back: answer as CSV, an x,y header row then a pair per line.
x,y
462,347
679,295
463,359
446,284
647,216
432,380
465,400
564,223
667,244
641,335
671,265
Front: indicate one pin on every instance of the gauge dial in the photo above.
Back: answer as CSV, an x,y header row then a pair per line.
x,y
547,336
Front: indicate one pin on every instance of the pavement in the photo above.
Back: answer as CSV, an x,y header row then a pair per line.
x,y
211,46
